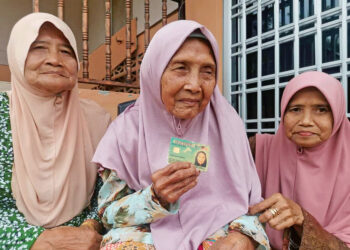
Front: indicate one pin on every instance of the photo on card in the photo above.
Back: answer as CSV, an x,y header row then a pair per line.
x,y
188,151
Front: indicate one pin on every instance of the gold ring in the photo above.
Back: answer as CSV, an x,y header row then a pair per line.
x,y
273,211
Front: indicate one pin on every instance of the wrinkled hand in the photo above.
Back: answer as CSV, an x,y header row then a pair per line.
x,y
234,240
68,238
174,180
288,212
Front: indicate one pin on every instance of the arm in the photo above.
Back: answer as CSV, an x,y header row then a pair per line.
x,y
245,232
312,236
120,206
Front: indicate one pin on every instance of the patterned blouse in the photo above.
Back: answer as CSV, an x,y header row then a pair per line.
x,y
15,232
127,215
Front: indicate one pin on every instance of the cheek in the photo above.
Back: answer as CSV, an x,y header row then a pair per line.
x,y
288,123
208,90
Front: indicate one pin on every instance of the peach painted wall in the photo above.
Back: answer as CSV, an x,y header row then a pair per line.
x,y
210,14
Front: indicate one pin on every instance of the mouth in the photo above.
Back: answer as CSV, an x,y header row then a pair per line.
x,y
54,73
304,133
190,101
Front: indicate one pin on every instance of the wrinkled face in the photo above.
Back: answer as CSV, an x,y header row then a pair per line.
x,y
308,119
51,66
189,79
201,158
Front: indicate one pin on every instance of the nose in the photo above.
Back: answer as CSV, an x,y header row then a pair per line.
x,y
306,119
193,83
53,57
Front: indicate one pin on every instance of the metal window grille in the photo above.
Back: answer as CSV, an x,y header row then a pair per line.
x,y
268,42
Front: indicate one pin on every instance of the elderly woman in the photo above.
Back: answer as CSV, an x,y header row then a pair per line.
x,y
48,137
304,168
148,203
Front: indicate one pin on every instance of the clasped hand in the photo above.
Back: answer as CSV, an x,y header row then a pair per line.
x,y
279,212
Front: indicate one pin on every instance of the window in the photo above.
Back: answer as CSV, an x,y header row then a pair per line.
x,y
286,56
307,51
268,61
252,28
329,4
267,18
330,45
235,30
257,69
251,105
286,12
268,103
306,8
252,65
234,69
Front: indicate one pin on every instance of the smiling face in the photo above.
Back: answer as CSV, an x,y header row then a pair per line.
x,y
308,118
200,158
51,65
189,79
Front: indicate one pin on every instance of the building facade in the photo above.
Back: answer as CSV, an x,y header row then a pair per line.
x,y
268,42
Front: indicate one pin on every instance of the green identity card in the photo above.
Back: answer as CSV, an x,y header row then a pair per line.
x,y
188,151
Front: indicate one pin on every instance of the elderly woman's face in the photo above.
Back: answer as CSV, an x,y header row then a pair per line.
x,y
189,79
51,66
308,119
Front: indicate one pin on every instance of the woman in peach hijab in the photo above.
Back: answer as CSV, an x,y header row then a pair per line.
x,y
48,137
304,169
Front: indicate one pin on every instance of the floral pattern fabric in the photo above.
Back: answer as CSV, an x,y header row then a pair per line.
x,y
15,232
128,214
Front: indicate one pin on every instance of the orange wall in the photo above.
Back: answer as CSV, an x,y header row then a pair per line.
x,y
210,14
5,74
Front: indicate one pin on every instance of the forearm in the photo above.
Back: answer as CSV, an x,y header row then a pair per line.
x,y
313,236
250,226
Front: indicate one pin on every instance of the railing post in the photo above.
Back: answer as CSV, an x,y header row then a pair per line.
x,y
128,5
164,12
108,39
85,30
35,5
147,32
60,9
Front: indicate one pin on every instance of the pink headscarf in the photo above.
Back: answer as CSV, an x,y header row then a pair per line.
x,y
136,145
54,137
316,178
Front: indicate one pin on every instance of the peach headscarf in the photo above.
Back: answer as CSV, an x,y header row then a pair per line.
x,y
316,178
53,178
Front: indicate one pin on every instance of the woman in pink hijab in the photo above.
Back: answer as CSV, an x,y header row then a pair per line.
x,y
304,169
48,137
148,203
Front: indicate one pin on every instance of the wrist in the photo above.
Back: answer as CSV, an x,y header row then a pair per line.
x,y
162,202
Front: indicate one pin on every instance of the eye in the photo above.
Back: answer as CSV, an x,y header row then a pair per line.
x,y
38,47
323,109
294,109
67,52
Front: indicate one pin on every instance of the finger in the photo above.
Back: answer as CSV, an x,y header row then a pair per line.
x,y
182,174
265,204
280,218
269,214
173,167
283,225
174,196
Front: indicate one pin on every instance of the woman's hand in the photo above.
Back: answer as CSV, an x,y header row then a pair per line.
x,y
68,238
174,180
279,212
234,240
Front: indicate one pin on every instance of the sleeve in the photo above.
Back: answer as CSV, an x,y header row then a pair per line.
x,y
120,206
251,226
313,237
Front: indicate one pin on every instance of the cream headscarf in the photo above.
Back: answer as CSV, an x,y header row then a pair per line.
x,y
53,178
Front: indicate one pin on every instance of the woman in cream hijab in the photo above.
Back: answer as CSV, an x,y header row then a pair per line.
x,y
48,137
